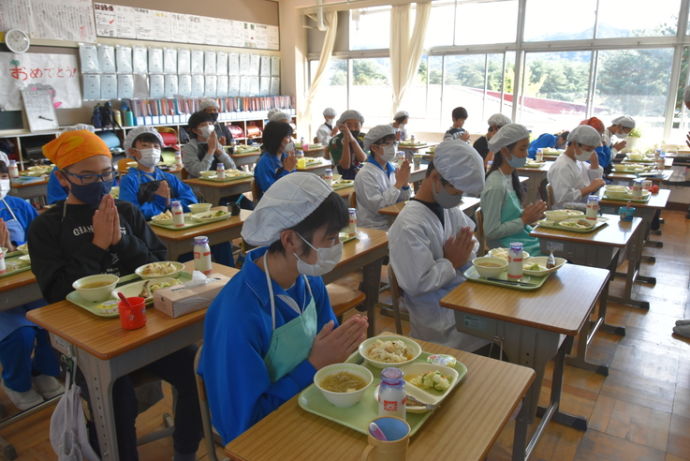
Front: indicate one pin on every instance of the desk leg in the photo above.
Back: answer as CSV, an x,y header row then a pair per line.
x,y
99,380
372,279
520,434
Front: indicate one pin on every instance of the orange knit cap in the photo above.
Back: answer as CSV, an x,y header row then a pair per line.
x,y
74,146
594,123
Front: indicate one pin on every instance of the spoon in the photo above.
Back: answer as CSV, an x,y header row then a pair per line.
x,y
124,299
376,431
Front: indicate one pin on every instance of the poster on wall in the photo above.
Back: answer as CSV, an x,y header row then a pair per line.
x,y
59,71
64,20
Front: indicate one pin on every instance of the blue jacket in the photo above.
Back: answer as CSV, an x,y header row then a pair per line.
x,y
544,140
55,191
129,188
604,155
237,336
268,170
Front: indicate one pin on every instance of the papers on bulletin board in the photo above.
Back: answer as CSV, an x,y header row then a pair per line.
x,y
197,86
170,60
209,62
125,86
146,24
108,86
244,64
275,66
183,61
106,58
39,109
234,64
234,85
264,85
275,86
155,60
15,14
141,86
88,55
59,71
70,20
156,86
221,63
210,86
123,59
140,60
185,85
265,66
92,87
171,86
222,85
197,66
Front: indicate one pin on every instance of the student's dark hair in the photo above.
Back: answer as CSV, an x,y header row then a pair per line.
x,y
3,167
273,135
197,118
498,161
563,134
147,137
431,168
332,213
459,112
401,119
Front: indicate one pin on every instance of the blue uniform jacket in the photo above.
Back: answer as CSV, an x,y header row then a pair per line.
x,y
604,156
237,336
129,188
544,140
268,170
55,191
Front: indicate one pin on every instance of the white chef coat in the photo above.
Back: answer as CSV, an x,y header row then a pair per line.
x,y
375,189
567,177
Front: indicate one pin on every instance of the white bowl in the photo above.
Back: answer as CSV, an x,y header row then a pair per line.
x,y
207,173
199,207
344,399
500,265
503,253
413,350
96,294
541,260
560,215
142,271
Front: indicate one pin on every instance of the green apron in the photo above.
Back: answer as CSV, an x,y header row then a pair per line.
x,y
292,342
511,210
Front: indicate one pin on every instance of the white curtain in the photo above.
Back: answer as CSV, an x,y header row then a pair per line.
x,y
406,51
331,20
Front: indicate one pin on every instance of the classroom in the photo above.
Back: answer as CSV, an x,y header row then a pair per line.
x,y
387,230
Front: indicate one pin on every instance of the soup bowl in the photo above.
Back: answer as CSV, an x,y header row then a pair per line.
x,y
490,266
343,399
96,288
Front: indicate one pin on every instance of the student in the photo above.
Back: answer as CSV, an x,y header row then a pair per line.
x,y
547,140
147,186
29,363
571,178
55,191
91,233
400,120
505,220
277,115
203,151
431,243
604,157
327,130
272,326
378,184
620,128
481,145
457,131
345,148
275,160
210,106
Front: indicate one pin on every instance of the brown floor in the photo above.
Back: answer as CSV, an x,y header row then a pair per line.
x,y
641,411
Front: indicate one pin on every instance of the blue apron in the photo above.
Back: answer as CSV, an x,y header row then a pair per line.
x,y
511,210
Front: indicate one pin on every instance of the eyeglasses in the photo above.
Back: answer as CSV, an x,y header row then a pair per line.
x,y
92,178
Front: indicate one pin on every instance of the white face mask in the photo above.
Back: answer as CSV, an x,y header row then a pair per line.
x,y
206,130
149,157
326,259
389,152
290,147
4,188
584,155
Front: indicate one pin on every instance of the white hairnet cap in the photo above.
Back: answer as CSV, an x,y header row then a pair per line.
x,y
350,115
507,135
80,126
136,132
625,121
585,134
377,133
208,102
329,112
278,116
499,120
458,163
401,114
284,205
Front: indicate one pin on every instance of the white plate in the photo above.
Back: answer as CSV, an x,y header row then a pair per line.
x,y
542,261
413,347
179,267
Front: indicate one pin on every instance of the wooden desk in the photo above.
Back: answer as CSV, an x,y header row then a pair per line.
x,y
646,211
318,168
626,177
249,158
106,352
180,242
536,176
533,327
366,254
18,289
417,175
212,191
469,205
463,428
345,193
416,148
30,190
315,152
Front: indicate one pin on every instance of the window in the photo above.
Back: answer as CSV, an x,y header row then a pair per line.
x,y
486,22
333,89
554,90
681,120
637,18
634,82
441,26
548,20
370,28
370,90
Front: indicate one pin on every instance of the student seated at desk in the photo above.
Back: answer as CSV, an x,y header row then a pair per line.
x,y
272,325
603,150
346,148
91,233
547,140
400,120
29,363
277,157
327,130
505,220
378,184
481,145
620,128
55,191
210,106
278,116
431,243
457,131
204,151
571,178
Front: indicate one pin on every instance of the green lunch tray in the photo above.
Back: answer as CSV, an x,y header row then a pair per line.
x,y
227,179
189,222
14,265
359,416
473,275
127,284
555,225
643,199
343,183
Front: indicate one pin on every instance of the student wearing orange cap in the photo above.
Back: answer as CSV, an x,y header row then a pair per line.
x,y
604,150
91,233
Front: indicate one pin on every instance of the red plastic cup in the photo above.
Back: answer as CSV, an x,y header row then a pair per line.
x,y
134,317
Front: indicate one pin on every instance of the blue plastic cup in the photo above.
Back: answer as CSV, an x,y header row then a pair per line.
x,y
626,213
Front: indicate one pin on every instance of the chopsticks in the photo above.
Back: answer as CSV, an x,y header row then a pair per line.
x,y
512,282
